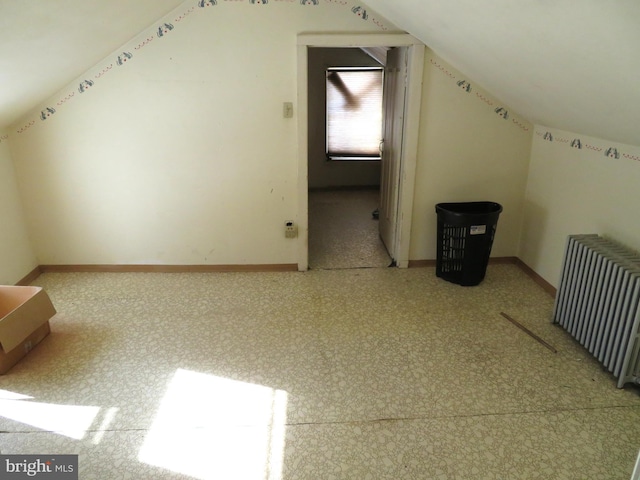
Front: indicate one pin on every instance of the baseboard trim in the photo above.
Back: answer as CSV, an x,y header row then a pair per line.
x,y
503,261
421,263
30,277
546,286
283,267
492,261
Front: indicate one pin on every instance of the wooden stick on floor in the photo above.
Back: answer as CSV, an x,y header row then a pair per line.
x,y
528,332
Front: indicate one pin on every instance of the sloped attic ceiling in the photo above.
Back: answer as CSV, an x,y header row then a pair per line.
x,y
46,44
560,63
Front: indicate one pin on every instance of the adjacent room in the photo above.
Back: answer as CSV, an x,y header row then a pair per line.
x,y
344,157
247,286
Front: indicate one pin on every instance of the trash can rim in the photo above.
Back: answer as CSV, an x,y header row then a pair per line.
x,y
462,208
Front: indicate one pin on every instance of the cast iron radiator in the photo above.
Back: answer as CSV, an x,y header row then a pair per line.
x,y
598,302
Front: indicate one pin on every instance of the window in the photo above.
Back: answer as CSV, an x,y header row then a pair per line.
x,y
354,113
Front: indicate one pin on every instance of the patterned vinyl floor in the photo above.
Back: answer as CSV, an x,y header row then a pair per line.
x,y
375,373
343,232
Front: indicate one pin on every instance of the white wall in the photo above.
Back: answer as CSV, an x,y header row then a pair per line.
x,y
16,255
578,190
181,155
321,172
467,152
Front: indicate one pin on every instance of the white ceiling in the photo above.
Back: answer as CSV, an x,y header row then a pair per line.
x,y
560,63
573,65
45,44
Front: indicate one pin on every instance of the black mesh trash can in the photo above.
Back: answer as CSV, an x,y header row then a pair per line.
x,y
465,236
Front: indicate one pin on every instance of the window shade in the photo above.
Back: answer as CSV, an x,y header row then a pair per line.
x,y
354,112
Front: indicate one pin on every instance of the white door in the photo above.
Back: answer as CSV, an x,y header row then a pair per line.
x,y
394,103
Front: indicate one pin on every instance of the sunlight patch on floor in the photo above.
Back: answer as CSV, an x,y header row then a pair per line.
x,y
72,421
213,427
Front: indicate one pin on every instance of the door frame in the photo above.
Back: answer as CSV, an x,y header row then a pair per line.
x,y
408,160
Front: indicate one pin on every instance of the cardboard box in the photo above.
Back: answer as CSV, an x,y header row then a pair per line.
x,y
24,322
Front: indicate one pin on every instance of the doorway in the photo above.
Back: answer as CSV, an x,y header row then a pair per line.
x,y
344,166
399,189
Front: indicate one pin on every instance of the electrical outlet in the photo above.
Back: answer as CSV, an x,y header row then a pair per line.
x,y
290,230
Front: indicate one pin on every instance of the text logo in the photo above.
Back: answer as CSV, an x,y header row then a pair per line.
x,y
50,467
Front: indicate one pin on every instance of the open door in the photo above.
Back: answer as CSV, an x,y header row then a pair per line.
x,y
391,146
400,158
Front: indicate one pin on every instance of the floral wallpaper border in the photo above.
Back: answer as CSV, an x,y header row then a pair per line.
x,y
158,33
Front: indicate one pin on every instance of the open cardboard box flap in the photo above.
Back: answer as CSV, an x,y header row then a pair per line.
x,y
22,311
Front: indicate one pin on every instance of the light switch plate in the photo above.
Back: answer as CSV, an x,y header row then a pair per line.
x,y
287,109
